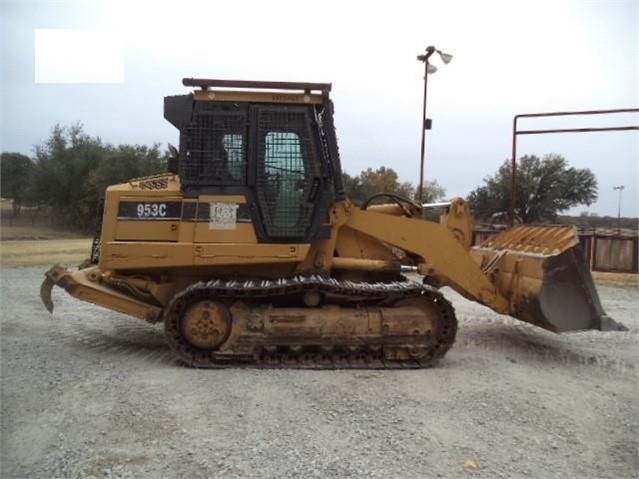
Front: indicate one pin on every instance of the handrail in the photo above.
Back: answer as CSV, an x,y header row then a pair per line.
x,y
205,83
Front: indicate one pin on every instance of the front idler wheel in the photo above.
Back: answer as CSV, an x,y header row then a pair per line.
x,y
206,325
196,330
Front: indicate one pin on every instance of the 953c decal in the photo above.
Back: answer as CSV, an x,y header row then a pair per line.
x,y
149,210
146,210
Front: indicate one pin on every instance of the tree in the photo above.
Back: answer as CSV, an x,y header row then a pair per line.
x,y
73,169
385,180
125,162
353,187
370,182
381,180
64,163
15,175
545,187
120,164
432,191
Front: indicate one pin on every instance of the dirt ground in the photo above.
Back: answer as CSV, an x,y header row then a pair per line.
x,y
91,393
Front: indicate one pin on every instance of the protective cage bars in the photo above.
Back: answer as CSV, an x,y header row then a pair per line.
x,y
286,168
215,148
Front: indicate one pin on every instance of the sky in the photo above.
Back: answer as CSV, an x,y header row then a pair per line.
x,y
508,58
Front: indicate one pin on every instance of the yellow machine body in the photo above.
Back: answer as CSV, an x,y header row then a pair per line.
x,y
196,256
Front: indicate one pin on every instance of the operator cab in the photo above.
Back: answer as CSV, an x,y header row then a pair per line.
x,y
278,149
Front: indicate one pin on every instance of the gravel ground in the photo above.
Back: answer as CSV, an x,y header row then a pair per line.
x,y
91,393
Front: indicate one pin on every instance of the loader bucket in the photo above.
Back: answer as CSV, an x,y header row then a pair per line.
x,y
542,272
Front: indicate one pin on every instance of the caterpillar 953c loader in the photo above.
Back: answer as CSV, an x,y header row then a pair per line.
x,y
249,251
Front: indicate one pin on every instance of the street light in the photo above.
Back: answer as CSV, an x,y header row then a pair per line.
x,y
427,122
620,188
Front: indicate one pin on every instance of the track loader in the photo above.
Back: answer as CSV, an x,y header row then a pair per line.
x,y
249,251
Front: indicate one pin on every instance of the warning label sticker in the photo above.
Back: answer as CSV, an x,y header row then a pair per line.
x,y
223,216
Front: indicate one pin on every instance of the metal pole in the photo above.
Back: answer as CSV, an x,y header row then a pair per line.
x,y
513,180
620,188
561,130
424,58
421,164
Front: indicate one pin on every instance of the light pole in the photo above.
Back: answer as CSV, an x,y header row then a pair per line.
x,y
620,188
427,122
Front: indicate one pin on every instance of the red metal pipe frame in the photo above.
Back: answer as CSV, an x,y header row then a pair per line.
x,y
560,130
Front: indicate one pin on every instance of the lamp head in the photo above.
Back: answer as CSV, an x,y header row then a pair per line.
x,y
446,57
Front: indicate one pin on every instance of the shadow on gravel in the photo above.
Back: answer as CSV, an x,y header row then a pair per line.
x,y
120,337
525,343
124,338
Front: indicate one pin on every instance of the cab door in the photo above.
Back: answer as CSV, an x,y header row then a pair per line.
x,y
287,171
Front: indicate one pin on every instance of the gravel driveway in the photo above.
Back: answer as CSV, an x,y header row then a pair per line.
x,y
91,393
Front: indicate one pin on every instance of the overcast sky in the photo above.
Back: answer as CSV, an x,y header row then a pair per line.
x,y
509,58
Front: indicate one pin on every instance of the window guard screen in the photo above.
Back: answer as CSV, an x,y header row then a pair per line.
x,y
215,150
286,167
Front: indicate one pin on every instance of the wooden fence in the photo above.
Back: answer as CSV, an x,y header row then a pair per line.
x,y
605,249
611,251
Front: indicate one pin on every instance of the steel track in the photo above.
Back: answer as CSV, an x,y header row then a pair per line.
x,y
351,293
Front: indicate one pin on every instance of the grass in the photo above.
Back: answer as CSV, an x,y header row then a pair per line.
x,y
24,232
68,251
29,240
30,224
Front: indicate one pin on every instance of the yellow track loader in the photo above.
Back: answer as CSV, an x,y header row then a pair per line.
x,y
249,251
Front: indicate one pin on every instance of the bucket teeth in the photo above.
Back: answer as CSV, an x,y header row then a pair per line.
x,y
45,293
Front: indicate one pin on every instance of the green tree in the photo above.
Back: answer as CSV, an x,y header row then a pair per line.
x,y
370,182
73,169
545,187
353,187
381,180
15,175
125,162
432,192
385,180
64,164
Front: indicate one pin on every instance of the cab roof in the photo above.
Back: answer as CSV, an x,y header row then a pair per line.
x,y
258,91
